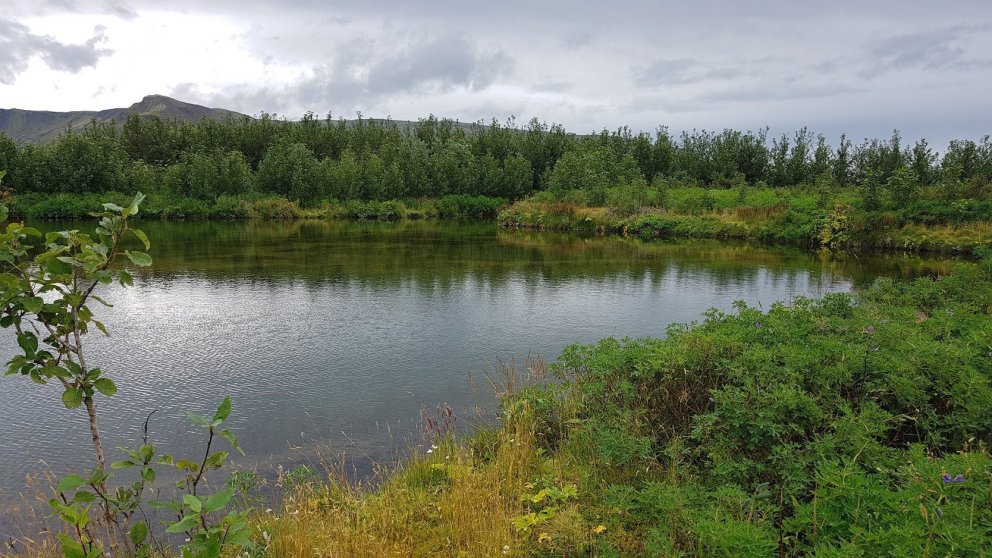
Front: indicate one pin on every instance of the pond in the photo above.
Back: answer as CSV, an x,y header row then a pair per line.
x,y
337,335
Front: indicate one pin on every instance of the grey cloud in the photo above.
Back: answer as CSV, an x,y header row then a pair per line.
x,y
681,71
445,61
121,10
360,77
777,92
18,46
577,39
553,87
938,50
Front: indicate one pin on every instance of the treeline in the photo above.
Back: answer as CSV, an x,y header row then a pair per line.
x,y
314,159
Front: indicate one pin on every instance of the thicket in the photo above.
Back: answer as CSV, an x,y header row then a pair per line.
x,y
315,160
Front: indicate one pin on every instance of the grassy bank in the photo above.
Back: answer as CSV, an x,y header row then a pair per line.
x,y
835,427
771,216
774,216
167,205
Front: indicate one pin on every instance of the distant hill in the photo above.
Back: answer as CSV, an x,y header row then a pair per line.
x,y
39,126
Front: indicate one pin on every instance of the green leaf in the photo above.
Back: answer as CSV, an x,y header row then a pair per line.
x,y
148,474
72,398
55,371
99,325
139,259
231,439
216,460
198,419
122,464
193,503
133,208
70,548
70,482
183,525
105,386
218,501
224,410
83,497
140,234
139,531
29,342
113,207
33,304
58,267
125,279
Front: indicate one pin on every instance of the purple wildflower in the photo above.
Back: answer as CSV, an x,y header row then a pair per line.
x,y
947,478
870,330
757,325
959,478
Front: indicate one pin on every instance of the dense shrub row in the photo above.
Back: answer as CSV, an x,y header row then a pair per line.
x,y
315,160
846,426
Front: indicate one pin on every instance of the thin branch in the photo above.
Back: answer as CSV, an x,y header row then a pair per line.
x,y
199,474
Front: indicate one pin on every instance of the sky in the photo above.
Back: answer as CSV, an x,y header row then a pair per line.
x,y
860,67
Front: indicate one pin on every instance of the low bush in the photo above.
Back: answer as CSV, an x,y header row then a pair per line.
x,y
469,207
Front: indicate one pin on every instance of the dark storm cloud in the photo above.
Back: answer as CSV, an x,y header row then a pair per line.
x,y
18,46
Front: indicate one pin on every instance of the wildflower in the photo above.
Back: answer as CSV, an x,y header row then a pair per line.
x,y
506,549
757,325
430,450
959,478
268,510
947,478
869,330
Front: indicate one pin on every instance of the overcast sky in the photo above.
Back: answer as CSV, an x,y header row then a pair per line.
x,y
864,67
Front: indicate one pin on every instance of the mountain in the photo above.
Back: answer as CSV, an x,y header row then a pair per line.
x,y
39,126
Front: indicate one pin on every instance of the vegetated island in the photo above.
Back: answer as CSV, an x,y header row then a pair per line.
x,y
199,163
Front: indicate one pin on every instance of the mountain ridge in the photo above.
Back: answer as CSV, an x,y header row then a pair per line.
x,y
41,126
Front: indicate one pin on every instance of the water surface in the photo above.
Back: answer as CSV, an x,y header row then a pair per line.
x,y
340,333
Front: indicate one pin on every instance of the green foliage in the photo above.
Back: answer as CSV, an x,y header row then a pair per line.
x,y
47,285
841,426
314,161
835,229
469,207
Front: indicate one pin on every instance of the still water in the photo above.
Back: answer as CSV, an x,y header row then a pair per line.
x,y
338,334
